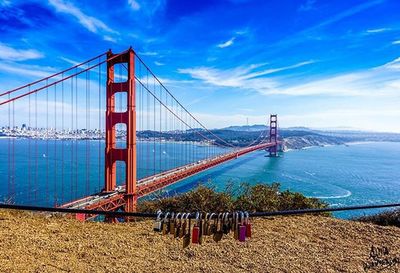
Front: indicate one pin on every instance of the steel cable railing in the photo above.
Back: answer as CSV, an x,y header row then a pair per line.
x,y
192,215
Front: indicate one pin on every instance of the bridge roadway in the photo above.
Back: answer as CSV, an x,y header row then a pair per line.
x,y
109,201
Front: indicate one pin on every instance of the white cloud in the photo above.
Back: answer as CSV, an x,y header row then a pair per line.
x,y
9,53
377,30
90,23
396,42
360,118
158,63
377,81
227,43
248,77
134,4
5,3
70,61
148,53
26,70
109,39
308,5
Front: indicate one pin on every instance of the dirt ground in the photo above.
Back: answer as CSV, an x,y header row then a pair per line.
x,y
37,243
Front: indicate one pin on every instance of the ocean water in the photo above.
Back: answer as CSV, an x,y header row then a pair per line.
x,y
357,174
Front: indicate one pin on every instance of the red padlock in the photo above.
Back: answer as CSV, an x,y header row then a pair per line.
x,y
196,230
248,225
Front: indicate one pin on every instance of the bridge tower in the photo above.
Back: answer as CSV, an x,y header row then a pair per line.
x,y
273,134
112,153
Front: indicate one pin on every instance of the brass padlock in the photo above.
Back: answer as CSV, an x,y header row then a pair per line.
x,y
165,229
213,224
178,224
236,227
186,237
218,233
158,224
205,224
172,224
182,230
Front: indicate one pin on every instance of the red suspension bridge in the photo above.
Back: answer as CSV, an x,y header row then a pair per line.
x,y
54,150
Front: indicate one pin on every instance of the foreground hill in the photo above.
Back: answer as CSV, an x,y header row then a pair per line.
x,y
35,243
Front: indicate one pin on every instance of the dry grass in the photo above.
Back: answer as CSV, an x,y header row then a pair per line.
x,y
34,243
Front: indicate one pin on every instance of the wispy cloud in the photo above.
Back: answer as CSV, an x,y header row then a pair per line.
x,y
148,53
245,77
227,43
396,42
377,30
90,23
70,61
308,5
378,81
373,82
26,70
350,12
158,63
9,53
134,4
109,38
5,3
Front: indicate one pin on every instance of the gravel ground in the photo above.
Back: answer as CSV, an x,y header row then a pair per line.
x,y
38,243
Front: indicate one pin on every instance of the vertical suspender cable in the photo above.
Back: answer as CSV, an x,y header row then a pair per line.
x,y
99,130
62,138
55,145
29,171
73,142
9,150
47,145
86,135
36,181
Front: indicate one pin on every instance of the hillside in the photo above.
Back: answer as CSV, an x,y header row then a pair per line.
x,y
35,243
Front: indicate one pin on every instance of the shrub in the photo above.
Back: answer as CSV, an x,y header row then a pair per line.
x,y
260,197
387,218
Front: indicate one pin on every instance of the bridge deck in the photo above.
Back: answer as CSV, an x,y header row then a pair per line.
x,y
114,200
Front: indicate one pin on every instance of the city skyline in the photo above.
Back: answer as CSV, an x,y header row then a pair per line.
x,y
315,64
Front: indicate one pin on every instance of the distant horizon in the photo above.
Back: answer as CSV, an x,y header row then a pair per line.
x,y
326,129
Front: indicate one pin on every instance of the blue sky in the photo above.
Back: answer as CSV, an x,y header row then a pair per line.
x,y
321,64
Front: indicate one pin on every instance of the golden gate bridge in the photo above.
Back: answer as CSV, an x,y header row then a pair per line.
x,y
151,140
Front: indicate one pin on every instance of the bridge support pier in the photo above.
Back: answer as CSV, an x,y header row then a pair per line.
x,y
273,135
112,153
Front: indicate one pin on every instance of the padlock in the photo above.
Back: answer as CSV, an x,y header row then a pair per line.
x,y
182,230
211,224
178,224
196,230
158,224
205,224
225,227
248,225
201,228
186,236
165,229
172,224
236,226
233,221
217,236
242,228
